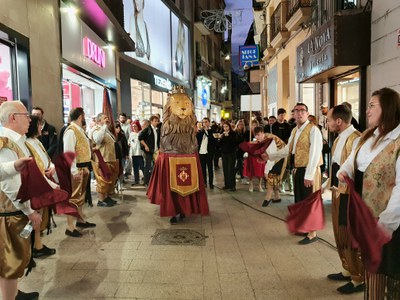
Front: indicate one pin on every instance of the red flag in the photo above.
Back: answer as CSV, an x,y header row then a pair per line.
x,y
108,110
105,170
63,164
307,215
35,187
364,230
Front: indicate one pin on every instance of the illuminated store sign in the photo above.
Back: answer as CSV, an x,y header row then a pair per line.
x,y
162,82
94,53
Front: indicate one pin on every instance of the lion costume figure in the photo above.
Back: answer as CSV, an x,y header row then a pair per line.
x,y
176,183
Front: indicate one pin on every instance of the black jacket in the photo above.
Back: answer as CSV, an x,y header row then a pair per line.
x,y
211,140
49,139
147,135
228,143
282,130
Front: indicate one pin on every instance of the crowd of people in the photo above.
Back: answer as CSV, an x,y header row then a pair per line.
x,y
295,162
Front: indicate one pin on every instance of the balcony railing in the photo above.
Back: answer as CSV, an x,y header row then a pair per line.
x,y
203,68
295,5
278,20
264,44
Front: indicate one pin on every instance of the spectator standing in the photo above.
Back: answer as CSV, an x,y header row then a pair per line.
x,y
126,129
242,135
206,146
48,137
136,153
227,142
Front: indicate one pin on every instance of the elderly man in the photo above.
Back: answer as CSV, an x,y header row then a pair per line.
x,y
15,251
105,142
76,140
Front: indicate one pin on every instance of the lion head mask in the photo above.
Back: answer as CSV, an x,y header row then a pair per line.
x,y
178,132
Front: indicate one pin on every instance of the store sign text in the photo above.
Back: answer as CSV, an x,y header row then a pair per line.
x,y
94,52
162,82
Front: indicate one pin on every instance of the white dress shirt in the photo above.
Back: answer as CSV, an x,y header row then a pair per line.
x,y
342,138
155,137
204,143
11,184
270,163
315,149
390,217
70,142
35,143
99,134
7,169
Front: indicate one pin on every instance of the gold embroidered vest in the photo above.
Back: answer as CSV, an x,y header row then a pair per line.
x,y
107,147
302,153
348,147
36,156
5,204
380,177
82,149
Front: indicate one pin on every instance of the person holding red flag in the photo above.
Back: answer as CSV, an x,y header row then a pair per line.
x,y
375,166
304,148
339,121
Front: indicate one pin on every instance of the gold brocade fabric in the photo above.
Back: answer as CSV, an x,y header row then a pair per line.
x,y
107,147
103,186
79,187
15,251
380,177
302,153
273,181
82,149
183,175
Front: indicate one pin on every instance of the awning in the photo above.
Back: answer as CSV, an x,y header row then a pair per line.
x,y
97,15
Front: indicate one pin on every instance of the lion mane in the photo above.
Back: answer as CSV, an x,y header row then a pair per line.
x,y
178,135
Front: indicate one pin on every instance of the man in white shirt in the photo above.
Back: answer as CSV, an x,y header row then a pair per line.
x,y
15,252
150,140
126,127
339,121
305,148
76,141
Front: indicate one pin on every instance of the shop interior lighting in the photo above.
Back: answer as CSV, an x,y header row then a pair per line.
x,y
71,9
109,47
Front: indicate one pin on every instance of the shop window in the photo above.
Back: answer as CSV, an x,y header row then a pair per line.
x,y
6,86
348,90
307,96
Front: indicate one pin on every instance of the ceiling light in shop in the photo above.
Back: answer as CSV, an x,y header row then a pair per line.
x,y
71,9
110,47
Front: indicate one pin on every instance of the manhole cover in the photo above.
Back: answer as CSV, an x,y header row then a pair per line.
x,y
179,237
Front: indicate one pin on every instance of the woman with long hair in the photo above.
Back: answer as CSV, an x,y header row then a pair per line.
x,y
241,136
375,167
44,164
136,152
227,142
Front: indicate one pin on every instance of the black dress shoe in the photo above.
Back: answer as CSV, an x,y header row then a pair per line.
x,y
266,203
45,251
27,296
110,200
73,233
85,225
276,200
307,240
349,288
338,277
104,204
173,221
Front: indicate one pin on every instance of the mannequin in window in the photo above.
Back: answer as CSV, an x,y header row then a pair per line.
x,y
139,30
180,50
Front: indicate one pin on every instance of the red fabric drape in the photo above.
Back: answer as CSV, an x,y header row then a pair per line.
x,y
255,149
63,164
307,215
35,187
105,170
364,231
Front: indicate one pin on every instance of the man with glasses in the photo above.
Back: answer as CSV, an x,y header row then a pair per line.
x,y
305,150
206,146
15,252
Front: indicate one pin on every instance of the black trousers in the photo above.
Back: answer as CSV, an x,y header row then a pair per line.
x,y
206,161
300,191
138,164
148,167
228,166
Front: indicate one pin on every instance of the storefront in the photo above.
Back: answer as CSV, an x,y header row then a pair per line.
x,y
203,97
160,62
331,64
14,67
88,58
